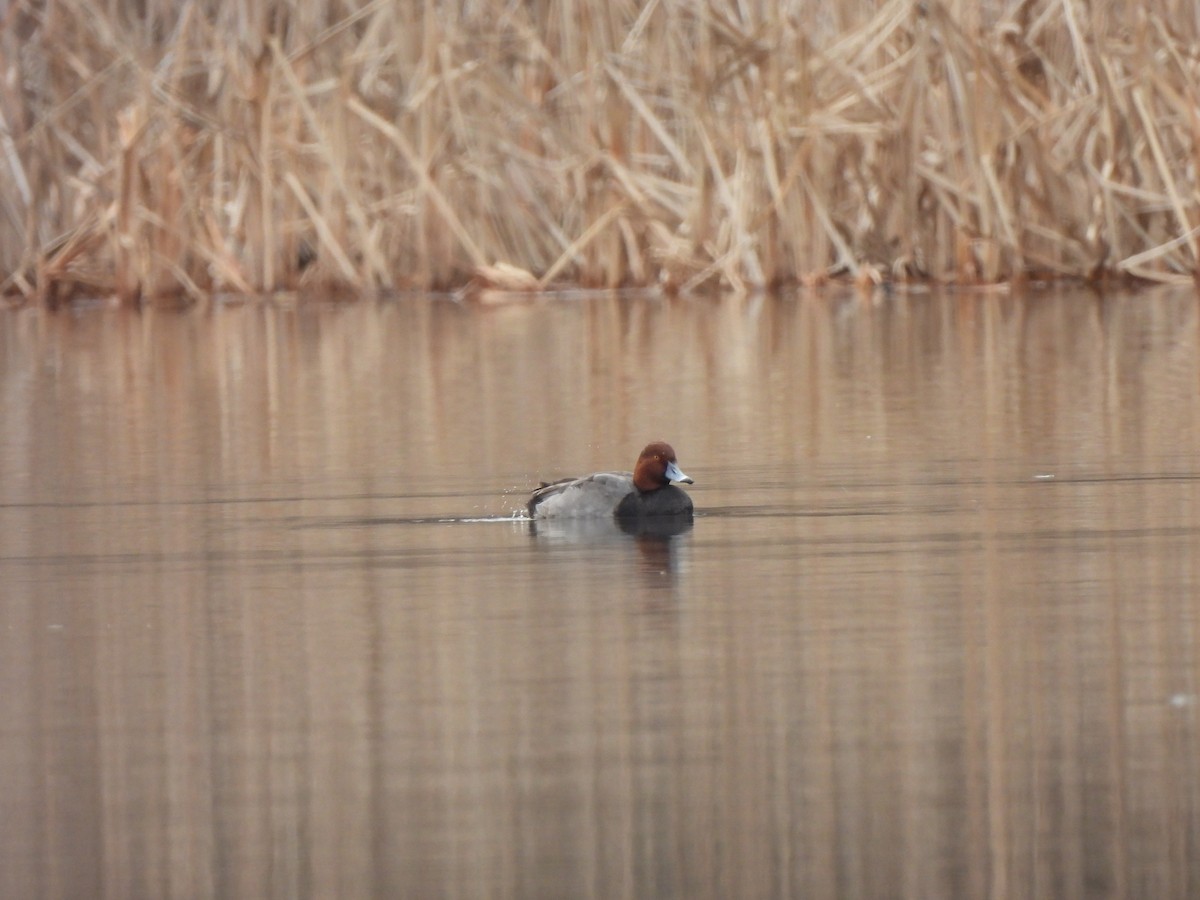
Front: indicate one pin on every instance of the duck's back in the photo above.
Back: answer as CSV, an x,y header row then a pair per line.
x,y
590,496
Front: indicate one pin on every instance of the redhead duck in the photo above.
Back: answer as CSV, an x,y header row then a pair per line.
x,y
647,491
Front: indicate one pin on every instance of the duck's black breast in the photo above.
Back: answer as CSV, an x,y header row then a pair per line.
x,y
666,501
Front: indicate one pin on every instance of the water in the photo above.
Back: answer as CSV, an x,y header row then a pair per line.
x,y
269,629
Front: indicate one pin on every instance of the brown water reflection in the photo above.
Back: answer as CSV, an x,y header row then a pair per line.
x,y
266,629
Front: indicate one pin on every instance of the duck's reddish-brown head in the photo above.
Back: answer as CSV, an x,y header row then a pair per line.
x,y
656,468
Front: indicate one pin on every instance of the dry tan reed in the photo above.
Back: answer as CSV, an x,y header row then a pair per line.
x,y
164,147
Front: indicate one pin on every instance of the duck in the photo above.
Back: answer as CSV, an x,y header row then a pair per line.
x,y
646,491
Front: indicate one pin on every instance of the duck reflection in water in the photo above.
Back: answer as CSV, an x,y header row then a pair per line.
x,y
660,549
659,529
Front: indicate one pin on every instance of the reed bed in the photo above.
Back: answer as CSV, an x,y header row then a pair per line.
x,y
168,148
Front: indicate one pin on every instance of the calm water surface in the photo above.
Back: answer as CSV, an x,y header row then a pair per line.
x,y
269,629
